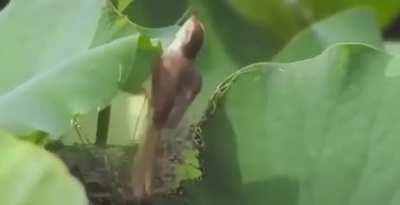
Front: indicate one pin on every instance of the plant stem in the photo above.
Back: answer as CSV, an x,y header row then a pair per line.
x,y
184,17
139,118
103,123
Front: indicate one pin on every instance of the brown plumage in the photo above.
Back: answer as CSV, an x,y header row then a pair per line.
x,y
175,84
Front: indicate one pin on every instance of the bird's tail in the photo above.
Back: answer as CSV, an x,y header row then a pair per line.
x,y
145,164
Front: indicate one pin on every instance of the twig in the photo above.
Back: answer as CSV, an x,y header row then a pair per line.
x,y
77,127
103,123
138,119
184,16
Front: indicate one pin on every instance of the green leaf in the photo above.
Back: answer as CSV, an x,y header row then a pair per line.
x,y
216,63
288,17
33,44
322,131
37,137
49,80
122,4
393,47
155,13
240,40
282,17
32,176
386,10
143,63
336,29
217,59
113,25
190,169
47,102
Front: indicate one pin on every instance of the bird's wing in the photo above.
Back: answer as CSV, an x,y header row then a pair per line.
x,y
163,91
188,89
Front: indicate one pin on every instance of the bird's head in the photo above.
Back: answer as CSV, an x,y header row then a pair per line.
x,y
189,38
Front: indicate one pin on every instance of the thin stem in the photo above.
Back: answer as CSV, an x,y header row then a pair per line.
x,y
138,119
78,130
80,136
184,16
103,124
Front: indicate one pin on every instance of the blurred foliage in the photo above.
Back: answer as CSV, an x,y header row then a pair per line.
x,y
293,15
155,13
336,29
3,3
121,4
31,176
393,30
37,137
393,47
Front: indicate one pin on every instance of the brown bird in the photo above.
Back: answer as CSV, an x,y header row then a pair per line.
x,y
175,84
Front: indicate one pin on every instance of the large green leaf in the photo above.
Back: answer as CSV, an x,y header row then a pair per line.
x,y
32,176
319,131
216,62
48,101
36,36
50,78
